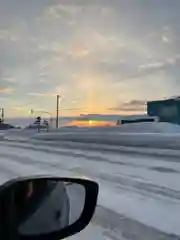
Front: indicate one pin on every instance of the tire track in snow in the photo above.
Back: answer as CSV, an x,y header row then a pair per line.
x,y
80,154
168,155
124,182
133,185
126,227
33,164
115,225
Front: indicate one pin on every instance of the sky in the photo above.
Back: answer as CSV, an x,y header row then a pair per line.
x,y
103,56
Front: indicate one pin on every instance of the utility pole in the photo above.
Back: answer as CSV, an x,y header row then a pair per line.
x,y
2,115
0,118
57,112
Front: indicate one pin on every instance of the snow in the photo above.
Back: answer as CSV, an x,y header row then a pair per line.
x,y
117,136
149,134
76,194
131,186
163,215
137,167
144,127
150,127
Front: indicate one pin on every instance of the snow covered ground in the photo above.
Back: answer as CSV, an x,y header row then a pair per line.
x,y
136,165
139,195
154,135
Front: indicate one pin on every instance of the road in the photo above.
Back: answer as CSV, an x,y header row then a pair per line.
x,y
139,195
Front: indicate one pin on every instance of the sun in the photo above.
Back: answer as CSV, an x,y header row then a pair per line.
x,y
90,122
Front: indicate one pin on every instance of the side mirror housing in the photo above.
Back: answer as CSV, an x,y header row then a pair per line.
x,y
46,207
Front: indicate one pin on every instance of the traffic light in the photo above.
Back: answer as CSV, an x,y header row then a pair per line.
x,y
38,120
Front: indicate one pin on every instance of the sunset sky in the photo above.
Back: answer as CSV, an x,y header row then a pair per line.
x,y
103,56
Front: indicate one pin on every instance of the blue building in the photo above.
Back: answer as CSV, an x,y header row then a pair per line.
x,y
167,110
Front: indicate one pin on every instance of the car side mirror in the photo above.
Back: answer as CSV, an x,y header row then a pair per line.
x,y
46,207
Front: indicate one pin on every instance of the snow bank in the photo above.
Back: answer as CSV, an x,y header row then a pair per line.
x,y
144,127
145,140
150,127
154,135
162,135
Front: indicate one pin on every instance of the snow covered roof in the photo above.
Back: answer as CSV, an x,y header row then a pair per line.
x,y
173,98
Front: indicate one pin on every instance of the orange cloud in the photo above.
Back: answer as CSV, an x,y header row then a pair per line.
x,y
6,90
91,123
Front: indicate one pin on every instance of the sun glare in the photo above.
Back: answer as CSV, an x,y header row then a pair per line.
x,y
90,122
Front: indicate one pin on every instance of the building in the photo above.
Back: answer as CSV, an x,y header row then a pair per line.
x,y
168,110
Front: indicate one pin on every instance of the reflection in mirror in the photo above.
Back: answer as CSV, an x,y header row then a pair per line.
x,y
51,206
41,206
77,201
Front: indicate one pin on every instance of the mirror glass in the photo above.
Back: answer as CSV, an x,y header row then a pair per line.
x,y
42,206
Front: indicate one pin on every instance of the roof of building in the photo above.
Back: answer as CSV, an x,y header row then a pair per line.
x,y
173,98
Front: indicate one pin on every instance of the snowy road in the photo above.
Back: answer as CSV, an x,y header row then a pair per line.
x,y
139,196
